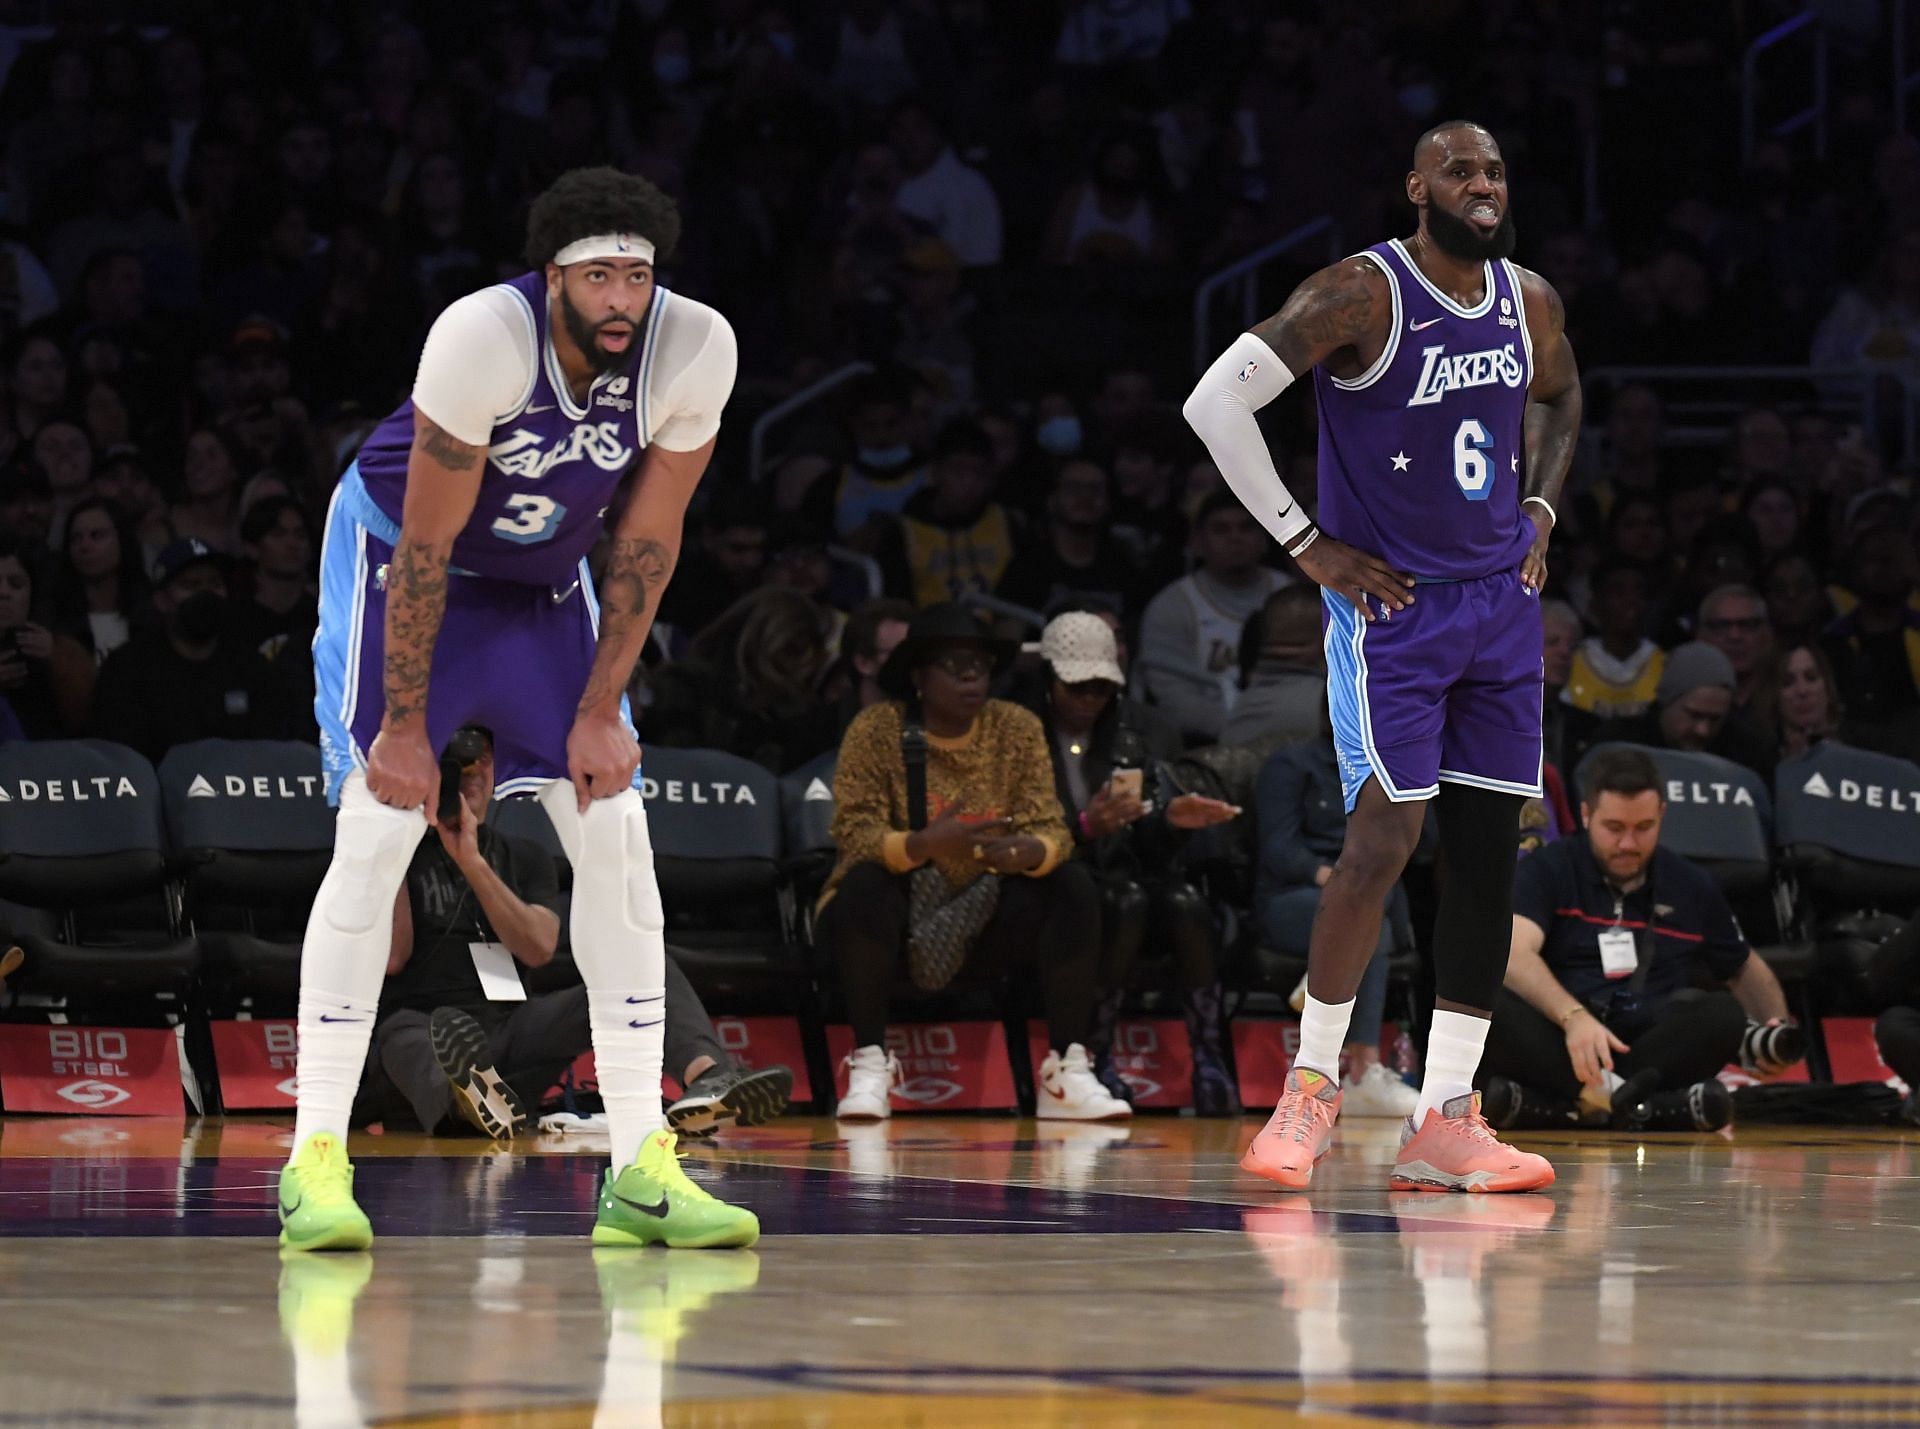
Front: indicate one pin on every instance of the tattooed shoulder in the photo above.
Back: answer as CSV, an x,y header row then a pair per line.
x,y
435,441
1335,308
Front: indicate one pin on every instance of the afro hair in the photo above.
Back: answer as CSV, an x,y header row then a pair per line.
x,y
584,202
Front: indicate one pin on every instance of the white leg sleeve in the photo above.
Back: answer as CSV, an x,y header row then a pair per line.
x,y
344,957
620,946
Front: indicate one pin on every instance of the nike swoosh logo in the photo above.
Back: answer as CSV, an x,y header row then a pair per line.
x,y
532,411
1285,509
325,1018
286,1211
655,1023
658,1209
1416,327
644,999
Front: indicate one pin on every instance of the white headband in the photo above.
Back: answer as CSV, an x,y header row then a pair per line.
x,y
605,245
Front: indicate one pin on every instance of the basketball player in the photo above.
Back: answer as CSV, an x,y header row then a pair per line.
x,y
454,589
1448,403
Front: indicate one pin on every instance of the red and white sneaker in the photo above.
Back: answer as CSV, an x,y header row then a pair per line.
x,y
1299,1132
1455,1150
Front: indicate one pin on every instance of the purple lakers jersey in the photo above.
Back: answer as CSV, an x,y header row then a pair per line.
x,y
1421,456
552,464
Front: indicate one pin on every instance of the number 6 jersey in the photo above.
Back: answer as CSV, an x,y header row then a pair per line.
x,y
1421,456
489,375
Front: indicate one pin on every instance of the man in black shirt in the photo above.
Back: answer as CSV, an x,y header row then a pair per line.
x,y
192,678
1610,935
1074,554
452,1040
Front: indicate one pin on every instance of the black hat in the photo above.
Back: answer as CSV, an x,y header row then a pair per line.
x,y
187,551
948,623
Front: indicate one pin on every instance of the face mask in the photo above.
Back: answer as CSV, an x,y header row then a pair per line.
x,y
886,458
201,616
672,69
1059,436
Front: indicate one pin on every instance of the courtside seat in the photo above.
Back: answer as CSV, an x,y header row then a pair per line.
x,y
252,835
81,843
715,822
1849,830
806,814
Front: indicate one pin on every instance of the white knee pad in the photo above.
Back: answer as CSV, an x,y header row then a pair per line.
x,y
372,845
618,921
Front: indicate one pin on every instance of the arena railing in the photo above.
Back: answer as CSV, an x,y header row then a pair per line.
x,y
1815,114
1247,272
799,401
1703,402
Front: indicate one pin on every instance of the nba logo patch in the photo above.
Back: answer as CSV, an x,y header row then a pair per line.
x,y
1248,371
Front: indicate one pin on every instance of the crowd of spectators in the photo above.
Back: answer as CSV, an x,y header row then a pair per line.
x,y
221,246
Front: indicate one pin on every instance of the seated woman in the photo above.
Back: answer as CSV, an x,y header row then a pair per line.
x,y
990,810
1130,836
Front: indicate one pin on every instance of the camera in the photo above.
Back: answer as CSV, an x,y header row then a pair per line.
x,y
469,745
1764,1047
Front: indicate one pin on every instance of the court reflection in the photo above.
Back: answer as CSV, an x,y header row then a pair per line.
x,y
352,1346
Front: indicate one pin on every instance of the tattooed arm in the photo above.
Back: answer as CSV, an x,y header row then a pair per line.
x,y
1552,421
443,481
601,754
1340,316
1342,309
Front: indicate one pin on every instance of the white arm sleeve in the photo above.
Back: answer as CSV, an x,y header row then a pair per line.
x,y
699,359
1242,380
478,364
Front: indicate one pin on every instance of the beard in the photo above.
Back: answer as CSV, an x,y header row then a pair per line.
x,y
584,335
1457,238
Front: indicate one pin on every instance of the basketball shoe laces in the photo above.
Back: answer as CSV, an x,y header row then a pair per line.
x,y
660,1159
1300,1122
1475,1129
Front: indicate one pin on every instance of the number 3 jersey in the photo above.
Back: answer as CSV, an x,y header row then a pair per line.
x,y
1422,455
489,374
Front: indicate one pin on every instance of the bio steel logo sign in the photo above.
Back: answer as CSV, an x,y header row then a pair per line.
x,y
928,1064
96,1095
258,1062
122,1071
944,1066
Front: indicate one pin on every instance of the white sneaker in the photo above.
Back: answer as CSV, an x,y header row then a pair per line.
x,y
1069,1091
871,1074
1297,999
1377,1092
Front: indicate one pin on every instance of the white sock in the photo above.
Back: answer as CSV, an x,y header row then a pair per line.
x,y
334,1032
1453,1056
620,947
626,1059
344,955
1323,1032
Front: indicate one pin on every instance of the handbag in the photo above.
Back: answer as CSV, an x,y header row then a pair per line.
x,y
941,924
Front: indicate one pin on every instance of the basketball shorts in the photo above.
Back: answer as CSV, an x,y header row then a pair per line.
x,y
512,657
1449,690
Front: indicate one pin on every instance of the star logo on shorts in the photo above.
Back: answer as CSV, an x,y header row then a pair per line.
x,y
1401,461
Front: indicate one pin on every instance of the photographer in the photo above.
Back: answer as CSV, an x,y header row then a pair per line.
x,y
1102,752
1601,1018
449,1043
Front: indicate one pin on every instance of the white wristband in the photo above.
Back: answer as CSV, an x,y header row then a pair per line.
x,y
1241,381
1553,515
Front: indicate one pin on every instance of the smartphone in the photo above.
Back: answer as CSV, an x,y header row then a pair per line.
x,y
1127,783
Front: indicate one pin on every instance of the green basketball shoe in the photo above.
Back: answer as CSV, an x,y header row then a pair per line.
x,y
317,1210
653,1203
